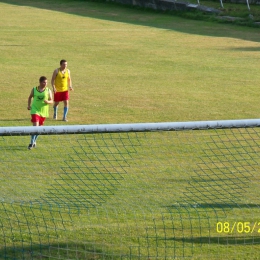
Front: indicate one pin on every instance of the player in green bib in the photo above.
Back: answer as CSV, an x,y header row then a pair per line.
x,y
42,97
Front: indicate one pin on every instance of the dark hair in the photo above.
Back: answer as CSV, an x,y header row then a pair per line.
x,y
42,78
62,61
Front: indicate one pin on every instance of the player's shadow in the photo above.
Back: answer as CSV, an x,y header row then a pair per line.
x,y
127,14
14,119
15,45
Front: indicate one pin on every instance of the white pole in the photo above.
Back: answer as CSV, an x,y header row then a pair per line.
x,y
221,3
247,2
134,127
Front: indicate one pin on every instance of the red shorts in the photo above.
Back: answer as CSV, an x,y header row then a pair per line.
x,y
37,118
61,96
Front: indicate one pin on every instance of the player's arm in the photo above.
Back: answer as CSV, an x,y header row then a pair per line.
x,y
50,100
70,81
54,75
30,100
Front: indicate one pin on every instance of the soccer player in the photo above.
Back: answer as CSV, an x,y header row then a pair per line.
x,y
61,83
42,97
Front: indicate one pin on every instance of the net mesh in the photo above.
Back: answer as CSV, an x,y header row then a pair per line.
x,y
135,195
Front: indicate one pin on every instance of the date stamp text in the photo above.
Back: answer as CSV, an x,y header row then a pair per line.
x,y
245,227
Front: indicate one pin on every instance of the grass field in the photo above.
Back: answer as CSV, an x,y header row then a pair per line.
x,y
129,196
127,65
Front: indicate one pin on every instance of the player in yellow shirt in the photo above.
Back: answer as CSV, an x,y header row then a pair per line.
x,y
61,83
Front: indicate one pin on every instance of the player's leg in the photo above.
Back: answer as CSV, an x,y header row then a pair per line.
x,y
66,109
41,123
55,110
65,99
36,121
56,103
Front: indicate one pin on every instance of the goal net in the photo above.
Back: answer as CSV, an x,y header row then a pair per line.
x,y
187,190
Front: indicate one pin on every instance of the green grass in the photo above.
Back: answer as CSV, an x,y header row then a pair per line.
x,y
109,197
128,65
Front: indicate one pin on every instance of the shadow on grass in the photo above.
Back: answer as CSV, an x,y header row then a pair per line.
x,y
217,205
128,14
221,240
77,251
250,49
53,251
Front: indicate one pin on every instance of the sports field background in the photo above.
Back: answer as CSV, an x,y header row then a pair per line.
x,y
128,66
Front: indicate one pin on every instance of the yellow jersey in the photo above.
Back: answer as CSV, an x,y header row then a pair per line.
x,y
61,81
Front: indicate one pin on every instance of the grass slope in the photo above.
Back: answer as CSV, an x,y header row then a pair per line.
x,y
127,65
112,197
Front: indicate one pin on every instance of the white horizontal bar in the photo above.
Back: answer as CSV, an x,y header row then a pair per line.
x,y
134,127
